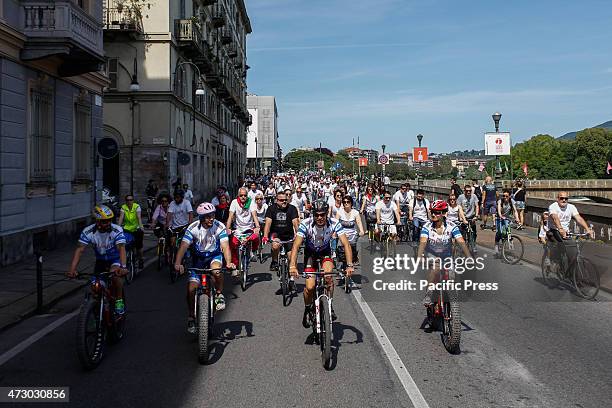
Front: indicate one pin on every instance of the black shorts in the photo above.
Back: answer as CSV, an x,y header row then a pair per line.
x,y
104,266
342,256
313,258
138,238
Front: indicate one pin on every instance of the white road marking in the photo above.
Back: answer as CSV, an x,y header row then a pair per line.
x,y
396,362
35,337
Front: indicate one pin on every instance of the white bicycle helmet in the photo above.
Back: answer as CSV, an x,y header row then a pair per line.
x,y
205,208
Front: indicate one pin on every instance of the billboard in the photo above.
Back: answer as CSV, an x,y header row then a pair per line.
x,y
497,144
419,154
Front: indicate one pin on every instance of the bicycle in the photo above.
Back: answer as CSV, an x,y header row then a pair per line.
x,y
150,208
388,240
444,314
283,272
512,248
581,273
174,246
162,252
404,230
343,280
244,257
320,315
97,320
130,257
204,310
260,247
469,236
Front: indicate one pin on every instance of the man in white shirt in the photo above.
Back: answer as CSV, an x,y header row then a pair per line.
x,y
387,213
242,220
419,213
299,200
403,197
180,214
254,191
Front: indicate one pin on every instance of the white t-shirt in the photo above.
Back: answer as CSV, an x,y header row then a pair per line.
x,y
180,213
453,214
261,212
243,217
386,212
420,209
252,194
299,202
403,199
334,209
565,215
349,223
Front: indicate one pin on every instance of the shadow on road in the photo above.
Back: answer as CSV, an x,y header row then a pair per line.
x,y
224,334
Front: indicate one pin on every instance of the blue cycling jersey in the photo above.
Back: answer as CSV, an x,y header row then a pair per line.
x,y
103,243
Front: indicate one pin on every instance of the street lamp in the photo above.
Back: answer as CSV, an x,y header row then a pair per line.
x,y
496,118
383,166
256,163
419,177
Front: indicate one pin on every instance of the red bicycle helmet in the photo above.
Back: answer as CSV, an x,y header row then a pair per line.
x,y
439,205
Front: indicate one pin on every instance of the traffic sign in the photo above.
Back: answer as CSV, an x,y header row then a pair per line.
x,y
108,148
338,165
363,162
183,159
419,154
320,164
383,159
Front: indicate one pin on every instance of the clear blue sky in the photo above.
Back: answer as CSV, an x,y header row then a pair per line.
x,y
386,70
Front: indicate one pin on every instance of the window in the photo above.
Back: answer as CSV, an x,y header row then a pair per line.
x,y
180,83
112,73
82,139
40,143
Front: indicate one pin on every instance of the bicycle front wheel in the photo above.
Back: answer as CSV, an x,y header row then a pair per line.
x,y
284,283
203,326
586,278
326,333
513,250
129,278
244,272
451,331
91,334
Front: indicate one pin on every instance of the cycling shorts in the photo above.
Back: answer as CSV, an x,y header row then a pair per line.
x,y
105,266
392,229
204,262
313,258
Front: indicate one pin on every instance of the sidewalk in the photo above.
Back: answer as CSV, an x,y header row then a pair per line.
x,y
18,298
599,254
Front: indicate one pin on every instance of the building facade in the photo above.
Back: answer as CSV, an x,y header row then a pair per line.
x,y
51,60
176,103
262,141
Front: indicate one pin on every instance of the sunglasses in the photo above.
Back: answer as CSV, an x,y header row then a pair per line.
x,y
164,201
452,199
563,198
207,216
506,196
437,213
284,200
242,195
346,202
258,199
320,215
129,199
387,198
104,222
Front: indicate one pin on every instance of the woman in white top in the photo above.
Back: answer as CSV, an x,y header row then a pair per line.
x,y
258,208
336,204
455,211
368,205
350,219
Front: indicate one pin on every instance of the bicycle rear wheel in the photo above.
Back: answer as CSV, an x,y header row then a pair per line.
x,y
586,278
547,273
244,272
130,261
171,270
513,250
90,334
203,326
451,325
284,282
326,333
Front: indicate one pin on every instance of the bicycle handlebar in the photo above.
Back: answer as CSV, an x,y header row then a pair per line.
x,y
205,270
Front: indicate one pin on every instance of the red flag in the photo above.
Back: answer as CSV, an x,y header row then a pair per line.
x,y
609,168
525,168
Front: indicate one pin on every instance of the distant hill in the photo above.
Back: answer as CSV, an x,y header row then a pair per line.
x,y
572,135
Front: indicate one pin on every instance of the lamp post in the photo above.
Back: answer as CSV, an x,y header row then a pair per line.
x,y
496,118
383,166
419,177
256,169
134,87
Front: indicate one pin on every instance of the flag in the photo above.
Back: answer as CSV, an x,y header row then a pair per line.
x,y
481,167
525,168
609,168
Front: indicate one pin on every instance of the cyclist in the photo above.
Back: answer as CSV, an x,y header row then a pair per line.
x,y
489,198
222,210
387,213
180,215
316,233
151,191
254,191
351,223
560,216
419,213
368,206
299,200
130,218
455,211
471,210
402,199
160,214
210,246
437,240
108,243
242,219
505,211
270,193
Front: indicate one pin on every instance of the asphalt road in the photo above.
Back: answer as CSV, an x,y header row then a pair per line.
x,y
531,346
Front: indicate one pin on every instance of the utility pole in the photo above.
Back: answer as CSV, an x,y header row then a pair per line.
x,y
496,118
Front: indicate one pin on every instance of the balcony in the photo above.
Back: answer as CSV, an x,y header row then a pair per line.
x,y
120,18
188,36
64,30
226,36
214,79
232,51
218,17
208,2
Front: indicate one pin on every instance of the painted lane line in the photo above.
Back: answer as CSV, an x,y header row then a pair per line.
x,y
396,362
35,337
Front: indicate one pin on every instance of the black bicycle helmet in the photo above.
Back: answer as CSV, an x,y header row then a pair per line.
x,y
320,206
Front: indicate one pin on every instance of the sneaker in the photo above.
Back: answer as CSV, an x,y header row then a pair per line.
x,y
291,284
333,314
273,266
191,327
306,317
219,302
427,299
235,273
333,255
119,307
